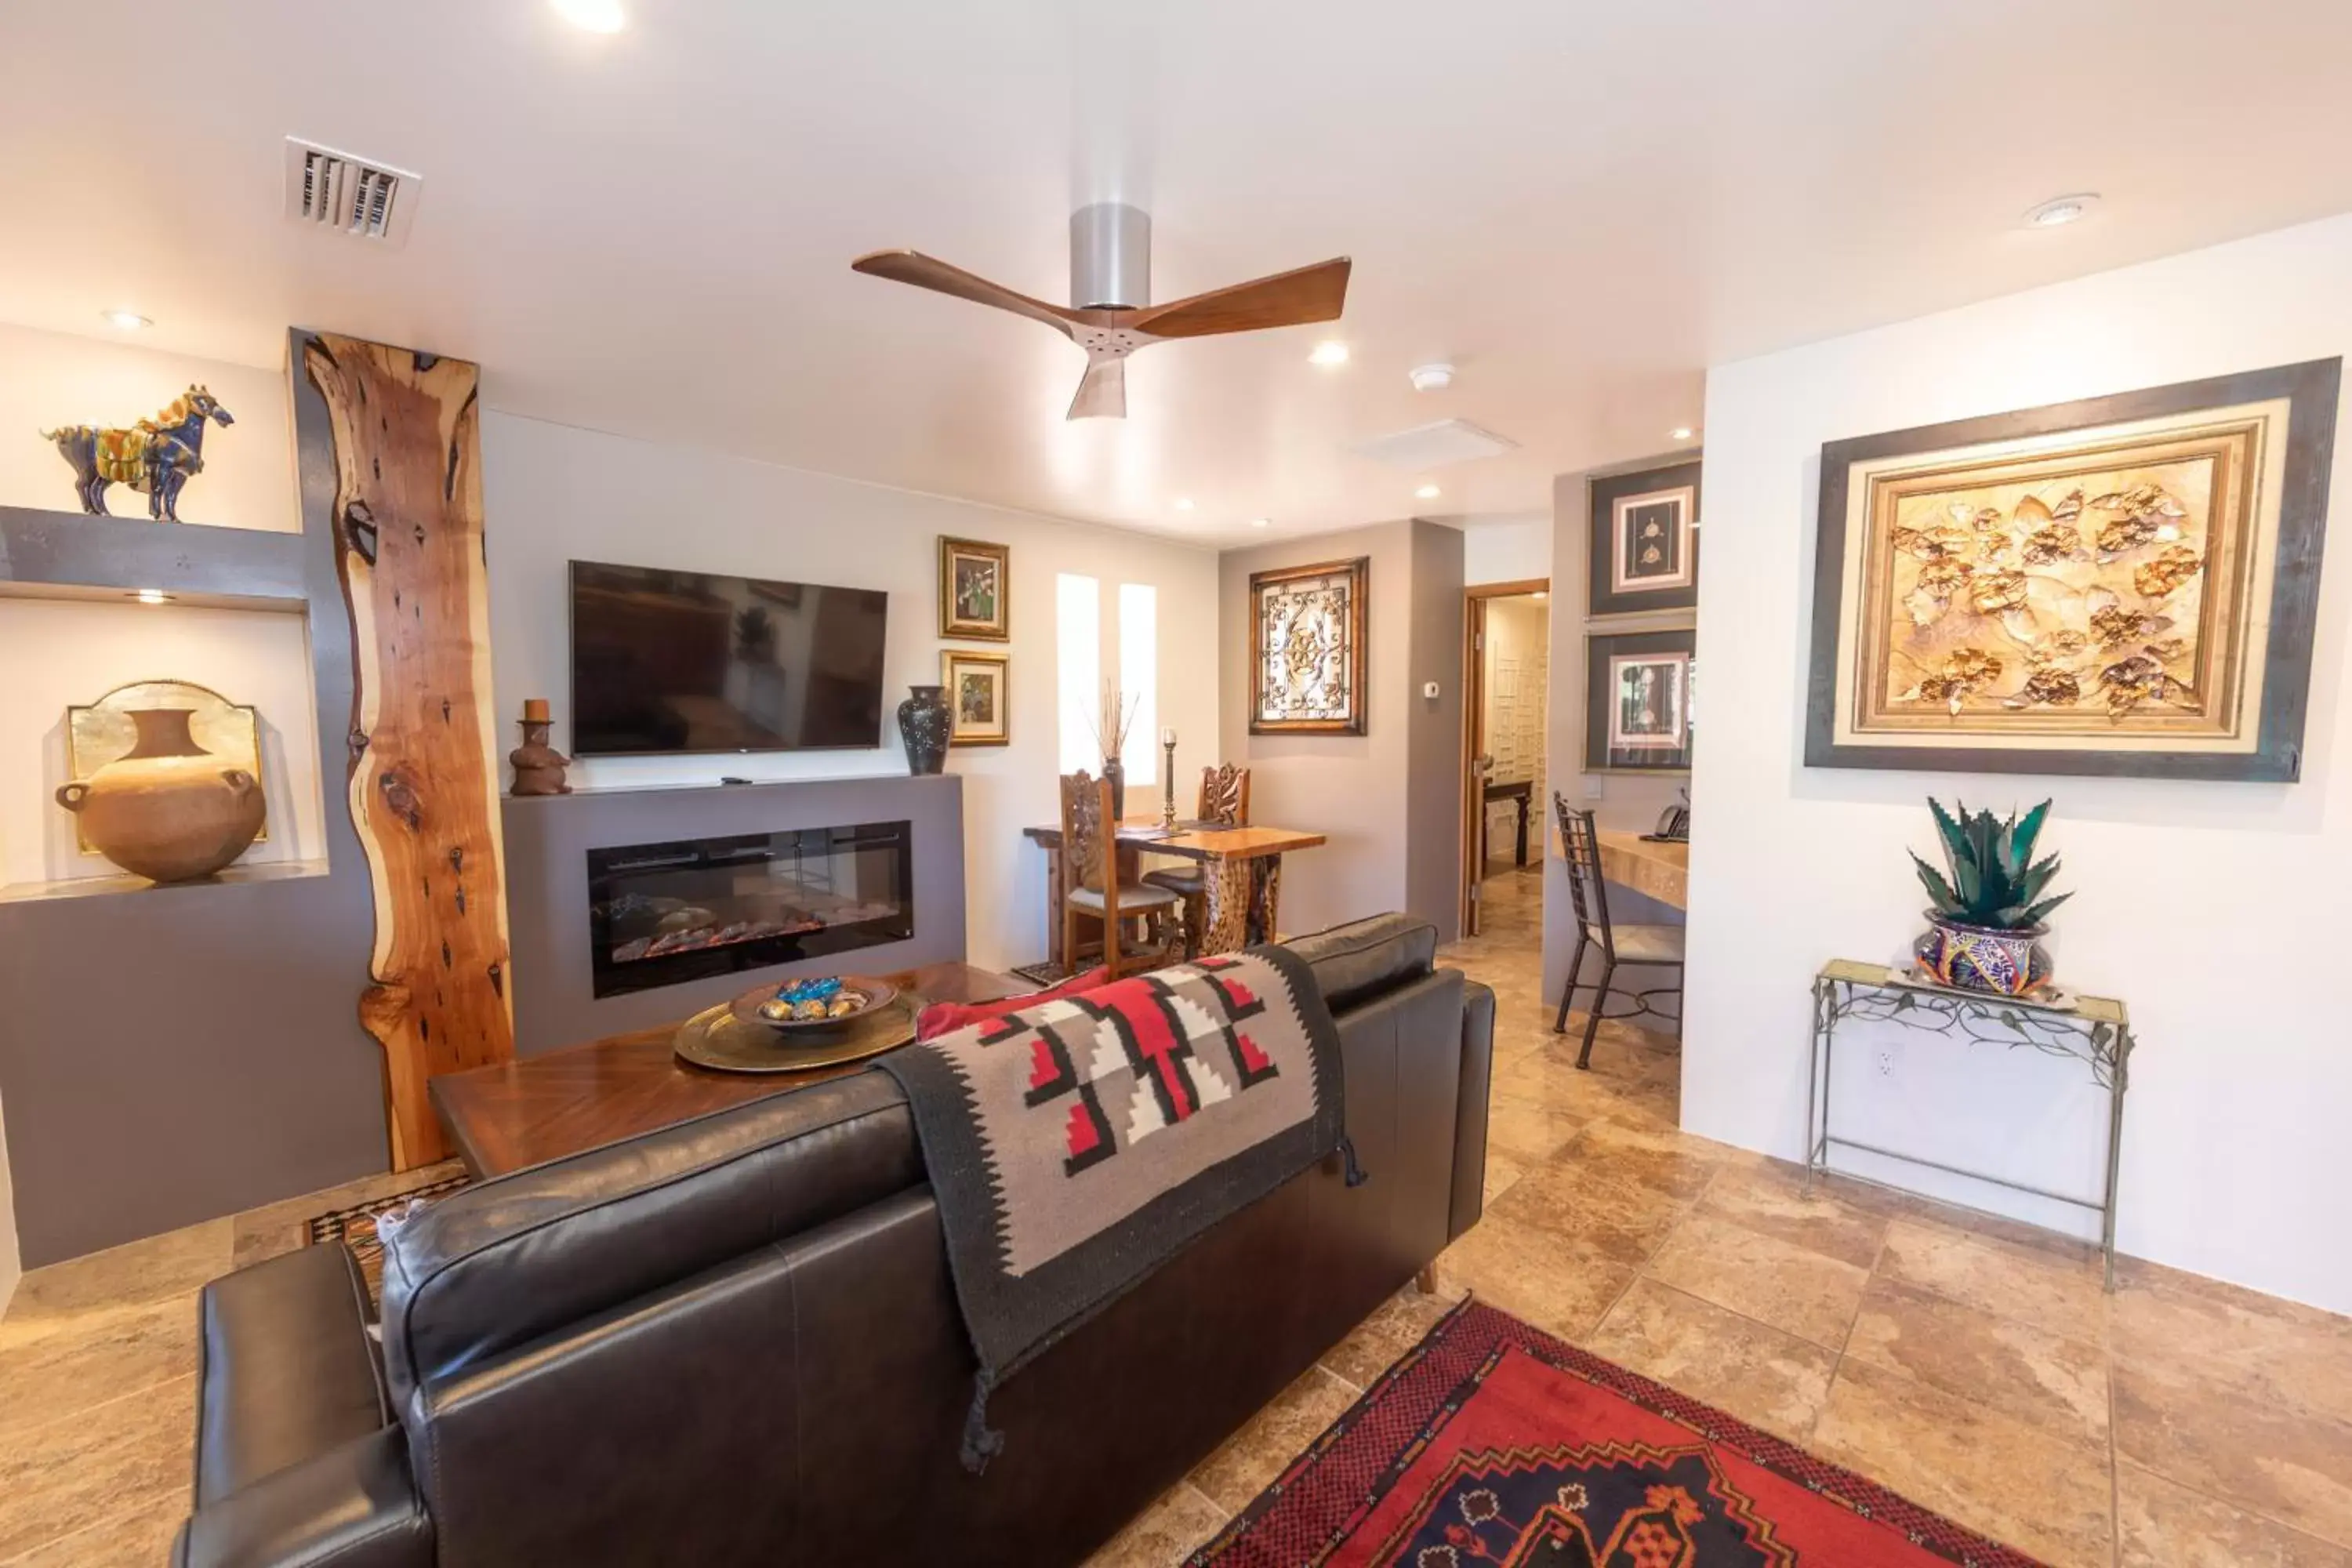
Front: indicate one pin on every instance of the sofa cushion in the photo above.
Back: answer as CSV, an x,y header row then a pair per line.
x,y
286,1369
1358,961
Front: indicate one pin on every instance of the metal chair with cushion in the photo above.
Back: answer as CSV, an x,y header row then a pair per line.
x,y
1091,858
1587,892
1225,801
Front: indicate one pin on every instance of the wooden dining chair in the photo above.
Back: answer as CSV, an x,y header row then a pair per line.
x,y
1090,860
1644,946
1225,801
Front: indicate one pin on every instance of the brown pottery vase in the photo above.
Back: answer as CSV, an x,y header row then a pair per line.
x,y
169,810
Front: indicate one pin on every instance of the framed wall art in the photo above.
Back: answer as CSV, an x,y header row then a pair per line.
x,y
975,590
1638,689
1307,653
2122,585
980,697
1644,538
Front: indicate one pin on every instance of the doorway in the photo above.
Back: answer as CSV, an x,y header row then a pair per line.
x,y
1506,667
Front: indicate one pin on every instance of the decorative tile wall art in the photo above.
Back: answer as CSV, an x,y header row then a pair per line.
x,y
2125,585
1308,649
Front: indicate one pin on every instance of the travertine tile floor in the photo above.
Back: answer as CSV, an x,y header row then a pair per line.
x,y
1975,1366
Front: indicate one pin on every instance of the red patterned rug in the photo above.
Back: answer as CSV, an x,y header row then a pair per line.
x,y
1493,1444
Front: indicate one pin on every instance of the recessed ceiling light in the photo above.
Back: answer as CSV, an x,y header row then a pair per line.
x,y
1431,377
1183,503
595,16
1426,492
1540,596
1261,522
2060,210
152,596
128,320
1330,351
1681,433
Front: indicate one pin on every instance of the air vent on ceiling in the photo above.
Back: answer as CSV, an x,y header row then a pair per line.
x,y
337,192
1428,447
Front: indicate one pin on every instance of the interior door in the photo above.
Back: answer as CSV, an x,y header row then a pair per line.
x,y
1476,761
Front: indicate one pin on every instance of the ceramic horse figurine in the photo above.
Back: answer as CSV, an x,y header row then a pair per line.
x,y
157,456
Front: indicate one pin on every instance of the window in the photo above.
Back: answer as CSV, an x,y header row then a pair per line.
x,y
1139,679
1078,636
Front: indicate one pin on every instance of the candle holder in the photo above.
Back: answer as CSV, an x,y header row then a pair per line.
x,y
1168,771
539,767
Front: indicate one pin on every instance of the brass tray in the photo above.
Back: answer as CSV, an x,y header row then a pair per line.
x,y
715,1038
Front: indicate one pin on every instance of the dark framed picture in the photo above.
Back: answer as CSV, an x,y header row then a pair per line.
x,y
1307,653
975,590
1645,541
1638,687
980,696
2121,585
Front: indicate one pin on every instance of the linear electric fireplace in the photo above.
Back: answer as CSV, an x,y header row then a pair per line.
x,y
663,914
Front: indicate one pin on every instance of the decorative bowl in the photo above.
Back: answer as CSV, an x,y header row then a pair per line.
x,y
783,1011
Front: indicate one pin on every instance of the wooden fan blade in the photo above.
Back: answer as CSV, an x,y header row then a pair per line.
x,y
1103,393
928,272
1315,293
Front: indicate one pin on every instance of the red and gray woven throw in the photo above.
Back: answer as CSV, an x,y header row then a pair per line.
x,y
1075,1146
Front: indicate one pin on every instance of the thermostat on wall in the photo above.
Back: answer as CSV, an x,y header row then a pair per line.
x,y
1429,690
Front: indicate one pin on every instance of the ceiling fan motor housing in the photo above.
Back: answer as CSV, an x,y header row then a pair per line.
x,y
1111,258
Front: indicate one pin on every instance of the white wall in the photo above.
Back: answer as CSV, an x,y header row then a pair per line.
x,y
51,379
1510,550
60,652
2217,910
553,494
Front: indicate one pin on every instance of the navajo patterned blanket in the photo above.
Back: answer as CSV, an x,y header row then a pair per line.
x,y
1077,1145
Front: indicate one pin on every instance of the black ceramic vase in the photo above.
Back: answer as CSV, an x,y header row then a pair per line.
x,y
1115,771
924,724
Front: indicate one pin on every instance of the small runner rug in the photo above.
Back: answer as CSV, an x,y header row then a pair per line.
x,y
1076,1145
1493,1444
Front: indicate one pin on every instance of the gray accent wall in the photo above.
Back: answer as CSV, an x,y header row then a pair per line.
x,y
1386,800
547,842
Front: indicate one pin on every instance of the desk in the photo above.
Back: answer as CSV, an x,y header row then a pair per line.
x,y
1242,867
1660,872
561,1102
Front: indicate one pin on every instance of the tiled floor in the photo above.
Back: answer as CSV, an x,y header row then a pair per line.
x,y
1975,1366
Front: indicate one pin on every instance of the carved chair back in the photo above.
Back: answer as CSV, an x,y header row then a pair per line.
x,y
1086,837
1588,890
1224,795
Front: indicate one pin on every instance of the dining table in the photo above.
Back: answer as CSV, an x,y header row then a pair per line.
x,y
1241,873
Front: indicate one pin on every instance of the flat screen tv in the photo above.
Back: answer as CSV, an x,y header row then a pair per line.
x,y
684,661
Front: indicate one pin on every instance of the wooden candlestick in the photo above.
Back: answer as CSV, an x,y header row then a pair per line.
x,y
539,767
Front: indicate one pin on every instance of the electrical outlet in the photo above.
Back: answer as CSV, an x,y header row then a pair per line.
x,y
1886,1061
1593,784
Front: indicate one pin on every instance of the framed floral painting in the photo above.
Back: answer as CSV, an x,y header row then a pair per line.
x,y
2121,586
980,697
1644,540
1307,653
1637,701
975,590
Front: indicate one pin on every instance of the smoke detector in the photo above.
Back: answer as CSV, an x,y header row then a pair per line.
x,y
1431,378
339,193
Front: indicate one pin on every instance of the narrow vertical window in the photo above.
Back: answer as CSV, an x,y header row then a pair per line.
x,y
1139,679
1077,656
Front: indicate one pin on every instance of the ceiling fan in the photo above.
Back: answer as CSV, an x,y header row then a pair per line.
x,y
1110,279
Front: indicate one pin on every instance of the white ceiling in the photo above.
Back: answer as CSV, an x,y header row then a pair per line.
x,y
1580,202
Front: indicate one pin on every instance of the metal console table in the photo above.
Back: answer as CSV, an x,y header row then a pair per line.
x,y
2097,1030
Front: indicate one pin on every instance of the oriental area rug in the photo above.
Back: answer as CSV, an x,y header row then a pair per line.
x,y
1493,1444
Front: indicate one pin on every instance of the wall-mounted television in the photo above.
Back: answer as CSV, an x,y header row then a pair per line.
x,y
670,662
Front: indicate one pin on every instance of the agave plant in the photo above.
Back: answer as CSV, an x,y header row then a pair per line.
x,y
1995,883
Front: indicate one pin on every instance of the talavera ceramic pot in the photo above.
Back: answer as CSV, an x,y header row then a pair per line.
x,y
168,811
1979,958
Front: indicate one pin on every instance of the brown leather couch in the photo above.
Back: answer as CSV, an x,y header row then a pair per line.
x,y
735,1340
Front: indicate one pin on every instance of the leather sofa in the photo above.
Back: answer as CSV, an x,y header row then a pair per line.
x,y
735,1340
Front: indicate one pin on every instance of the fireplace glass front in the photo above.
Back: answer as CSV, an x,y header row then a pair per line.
x,y
661,914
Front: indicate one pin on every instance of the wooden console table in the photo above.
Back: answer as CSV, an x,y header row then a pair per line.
x,y
577,1097
1520,792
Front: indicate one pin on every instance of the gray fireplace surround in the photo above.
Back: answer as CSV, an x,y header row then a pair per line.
x,y
548,839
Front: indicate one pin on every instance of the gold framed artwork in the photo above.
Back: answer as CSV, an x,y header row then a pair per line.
x,y
975,590
980,696
1307,650
1644,540
100,732
1639,689
2120,585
